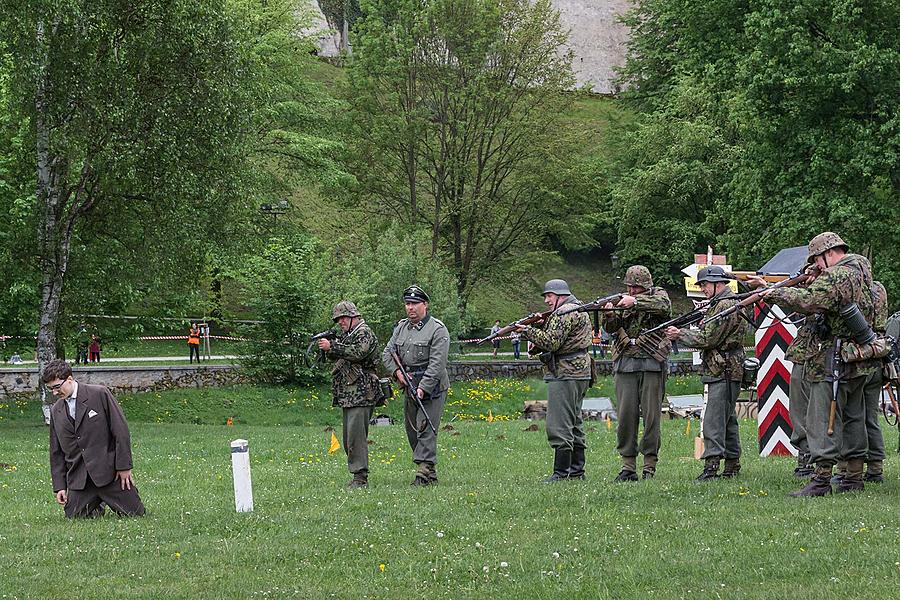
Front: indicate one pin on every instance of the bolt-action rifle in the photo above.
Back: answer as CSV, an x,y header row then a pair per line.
x,y
751,298
593,306
528,320
411,393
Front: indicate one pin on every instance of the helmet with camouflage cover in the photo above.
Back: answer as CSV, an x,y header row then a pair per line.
x,y
558,287
824,242
344,308
639,276
713,274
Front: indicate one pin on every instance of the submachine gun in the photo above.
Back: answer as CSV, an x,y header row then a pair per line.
x,y
313,357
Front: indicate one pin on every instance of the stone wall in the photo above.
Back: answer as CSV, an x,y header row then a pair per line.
x,y
154,379
130,379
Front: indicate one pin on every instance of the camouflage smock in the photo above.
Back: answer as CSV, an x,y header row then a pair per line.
x,y
631,351
847,281
354,376
721,342
567,336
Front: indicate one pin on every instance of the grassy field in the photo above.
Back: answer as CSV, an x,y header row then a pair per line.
x,y
490,529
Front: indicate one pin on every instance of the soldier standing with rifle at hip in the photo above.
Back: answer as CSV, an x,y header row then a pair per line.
x,y
722,346
639,365
422,343
564,341
354,385
841,301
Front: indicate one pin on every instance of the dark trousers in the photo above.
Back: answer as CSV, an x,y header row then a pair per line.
x,y
195,351
422,440
86,502
515,346
721,437
356,438
797,407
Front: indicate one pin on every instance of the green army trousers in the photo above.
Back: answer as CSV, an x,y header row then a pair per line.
x,y
356,437
872,394
798,403
422,440
721,437
849,440
565,427
639,394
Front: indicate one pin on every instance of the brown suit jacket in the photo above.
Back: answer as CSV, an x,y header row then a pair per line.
x,y
97,445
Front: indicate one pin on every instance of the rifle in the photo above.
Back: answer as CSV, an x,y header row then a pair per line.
x,y
751,298
409,391
529,320
594,305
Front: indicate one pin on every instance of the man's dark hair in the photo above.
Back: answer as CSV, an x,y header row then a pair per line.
x,y
57,369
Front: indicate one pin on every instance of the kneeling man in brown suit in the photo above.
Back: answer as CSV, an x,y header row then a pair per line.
x,y
90,447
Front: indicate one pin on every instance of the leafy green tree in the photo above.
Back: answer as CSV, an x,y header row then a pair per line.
x,y
763,124
285,291
455,107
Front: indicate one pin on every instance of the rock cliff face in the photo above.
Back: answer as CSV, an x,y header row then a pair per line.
x,y
595,36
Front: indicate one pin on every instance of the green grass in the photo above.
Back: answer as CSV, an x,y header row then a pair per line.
x,y
308,537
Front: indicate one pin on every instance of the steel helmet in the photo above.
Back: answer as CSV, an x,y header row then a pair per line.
x,y
344,308
558,287
822,243
713,274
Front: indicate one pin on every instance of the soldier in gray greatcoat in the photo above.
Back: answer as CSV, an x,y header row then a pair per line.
x,y
422,343
354,385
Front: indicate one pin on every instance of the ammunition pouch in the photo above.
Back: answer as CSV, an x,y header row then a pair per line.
x,y
387,392
548,359
751,368
860,330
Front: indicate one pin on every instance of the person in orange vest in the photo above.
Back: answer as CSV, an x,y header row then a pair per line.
x,y
194,342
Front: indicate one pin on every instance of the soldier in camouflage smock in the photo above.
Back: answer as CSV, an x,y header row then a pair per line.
x,y
640,368
845,280
722,348
354,385
422,343
563,343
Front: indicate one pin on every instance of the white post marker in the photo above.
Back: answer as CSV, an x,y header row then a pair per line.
x,y
240,466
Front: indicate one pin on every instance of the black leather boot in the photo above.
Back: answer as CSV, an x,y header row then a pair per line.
x,y
732,468
562,462
576,470
710,470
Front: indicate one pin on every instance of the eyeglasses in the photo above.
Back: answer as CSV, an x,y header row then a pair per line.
x,y
55,387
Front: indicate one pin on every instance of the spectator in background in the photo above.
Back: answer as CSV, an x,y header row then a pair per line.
x,y
495,342
94,348
516,338
194,342
83,341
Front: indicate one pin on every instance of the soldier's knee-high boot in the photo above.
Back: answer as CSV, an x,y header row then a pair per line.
x,y
853,479
819,485
576,470
874,471
562,462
